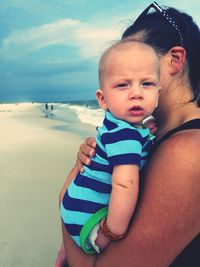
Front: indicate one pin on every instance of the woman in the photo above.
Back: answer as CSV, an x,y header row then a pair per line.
x,y
165,230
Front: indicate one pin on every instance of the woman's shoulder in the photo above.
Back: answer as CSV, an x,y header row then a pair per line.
x,y
179,155
182,144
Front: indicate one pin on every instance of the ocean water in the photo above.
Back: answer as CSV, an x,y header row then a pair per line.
x,y
87,112
80,117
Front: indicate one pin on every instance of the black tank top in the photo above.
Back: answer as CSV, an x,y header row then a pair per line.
x,y
190,256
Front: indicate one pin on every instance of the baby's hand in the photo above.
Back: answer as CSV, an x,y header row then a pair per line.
x,y
153,127
151,124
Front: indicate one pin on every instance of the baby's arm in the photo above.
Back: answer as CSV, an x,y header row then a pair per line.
x,y
124,195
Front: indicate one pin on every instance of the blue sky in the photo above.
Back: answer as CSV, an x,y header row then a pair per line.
x,y
49,49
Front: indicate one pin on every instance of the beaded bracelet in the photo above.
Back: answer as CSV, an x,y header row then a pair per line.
x,y
108,233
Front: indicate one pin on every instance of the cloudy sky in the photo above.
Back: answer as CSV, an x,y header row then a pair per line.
x,y
49,49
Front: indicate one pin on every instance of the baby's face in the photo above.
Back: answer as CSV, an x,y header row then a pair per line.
x,y
130,84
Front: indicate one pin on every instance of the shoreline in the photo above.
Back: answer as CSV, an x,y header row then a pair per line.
x,y
35,159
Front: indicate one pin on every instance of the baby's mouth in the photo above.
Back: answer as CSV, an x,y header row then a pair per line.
x,y
135,108
136,111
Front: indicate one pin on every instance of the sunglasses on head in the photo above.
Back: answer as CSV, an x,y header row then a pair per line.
x,y
164,14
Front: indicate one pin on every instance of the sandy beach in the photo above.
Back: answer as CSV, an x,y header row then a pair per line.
x,y
35,158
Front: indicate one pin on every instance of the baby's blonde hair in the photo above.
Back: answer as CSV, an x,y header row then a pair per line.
x,y
121,44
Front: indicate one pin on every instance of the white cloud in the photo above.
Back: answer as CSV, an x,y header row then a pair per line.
x,y
88,39
92,40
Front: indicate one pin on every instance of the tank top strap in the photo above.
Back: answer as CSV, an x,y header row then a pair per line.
x,y
192,124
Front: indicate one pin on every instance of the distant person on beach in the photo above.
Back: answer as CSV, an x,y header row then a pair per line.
x,y
51,109
165,228
99,203
46,109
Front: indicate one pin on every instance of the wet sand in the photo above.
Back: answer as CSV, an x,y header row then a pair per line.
x,y
34,161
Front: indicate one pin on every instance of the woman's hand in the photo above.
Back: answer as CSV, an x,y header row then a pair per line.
x,y
86,152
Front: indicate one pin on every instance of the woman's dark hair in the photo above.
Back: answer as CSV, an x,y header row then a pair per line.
x,y
162,36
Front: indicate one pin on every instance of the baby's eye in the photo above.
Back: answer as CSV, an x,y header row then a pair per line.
x,y
148,84
122,85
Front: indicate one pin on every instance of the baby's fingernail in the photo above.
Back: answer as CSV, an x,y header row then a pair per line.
x,y
82,170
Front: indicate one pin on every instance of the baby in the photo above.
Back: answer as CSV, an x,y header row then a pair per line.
x,y
99,203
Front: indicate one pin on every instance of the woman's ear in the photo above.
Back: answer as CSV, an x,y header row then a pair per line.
x,y
159,89
177,59
101,99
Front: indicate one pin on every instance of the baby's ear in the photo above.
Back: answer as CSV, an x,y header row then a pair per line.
x,y
101,99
